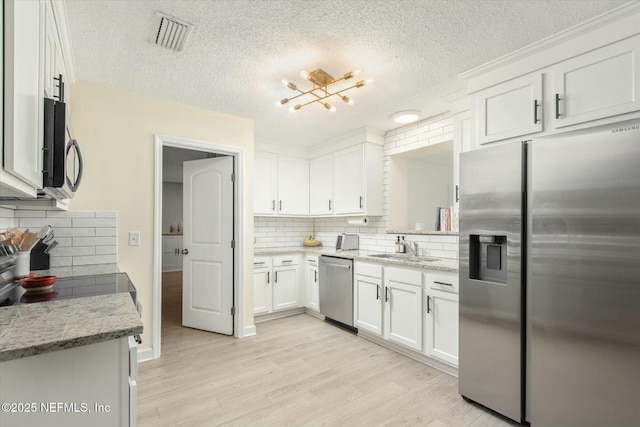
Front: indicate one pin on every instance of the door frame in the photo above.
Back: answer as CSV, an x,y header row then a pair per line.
x,y
238,155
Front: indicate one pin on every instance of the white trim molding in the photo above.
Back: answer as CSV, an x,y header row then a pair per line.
x,y
239,252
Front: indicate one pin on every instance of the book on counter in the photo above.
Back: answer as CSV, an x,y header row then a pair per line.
x,y
443,219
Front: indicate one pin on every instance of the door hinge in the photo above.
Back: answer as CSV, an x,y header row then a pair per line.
x,y
233,177
233,311
233,244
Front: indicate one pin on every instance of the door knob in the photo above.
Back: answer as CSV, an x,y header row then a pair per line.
x,y
185,252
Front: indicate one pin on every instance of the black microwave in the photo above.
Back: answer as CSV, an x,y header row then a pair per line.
x,y
62,158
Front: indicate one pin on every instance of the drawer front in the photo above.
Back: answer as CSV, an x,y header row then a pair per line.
x,y
403,275
447,282
284,260
261,262
370,270
312,260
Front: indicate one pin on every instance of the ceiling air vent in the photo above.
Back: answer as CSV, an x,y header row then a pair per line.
x,y
170,32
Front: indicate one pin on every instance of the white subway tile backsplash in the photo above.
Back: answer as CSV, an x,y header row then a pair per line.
x,y
94,222
84,237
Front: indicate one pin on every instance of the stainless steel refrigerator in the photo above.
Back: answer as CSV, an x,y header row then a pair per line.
x,y
550,278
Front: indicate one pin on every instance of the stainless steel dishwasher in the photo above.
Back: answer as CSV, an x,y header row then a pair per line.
x,y
336,289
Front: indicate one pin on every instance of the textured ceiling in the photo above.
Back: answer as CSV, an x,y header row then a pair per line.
x,y
239,51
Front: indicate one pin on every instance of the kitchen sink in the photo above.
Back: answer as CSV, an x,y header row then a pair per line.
x,y
410,258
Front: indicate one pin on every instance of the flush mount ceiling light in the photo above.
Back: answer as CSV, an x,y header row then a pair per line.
x,y
405,117
319,93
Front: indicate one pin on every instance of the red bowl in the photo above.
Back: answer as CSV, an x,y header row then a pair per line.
x,y
37,282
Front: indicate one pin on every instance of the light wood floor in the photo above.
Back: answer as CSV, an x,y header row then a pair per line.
x,y
297,371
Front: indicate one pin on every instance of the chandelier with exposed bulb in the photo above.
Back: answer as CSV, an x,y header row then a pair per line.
x,y
319,92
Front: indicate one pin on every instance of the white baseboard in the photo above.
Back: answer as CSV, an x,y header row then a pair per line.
x,y
145,354
278,314
447,369
248,331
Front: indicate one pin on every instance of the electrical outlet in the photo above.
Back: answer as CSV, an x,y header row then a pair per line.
x,y
134,238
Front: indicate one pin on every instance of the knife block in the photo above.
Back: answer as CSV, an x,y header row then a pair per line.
x,y
39,259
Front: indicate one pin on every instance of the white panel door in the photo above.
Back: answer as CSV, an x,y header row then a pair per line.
x,y
265,184
442,326
207,287
368,304
349,181
510,109
403,314
599,84
321,186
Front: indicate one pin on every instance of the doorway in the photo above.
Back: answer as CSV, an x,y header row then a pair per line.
x,y
170,154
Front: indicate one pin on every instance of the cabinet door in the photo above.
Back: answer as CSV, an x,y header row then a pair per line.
x,y
596,85
265,188
285,288
510,109
403,314
313,296
321,186
442,326
262,298
50,54
23,104
293,186
368,304
349,180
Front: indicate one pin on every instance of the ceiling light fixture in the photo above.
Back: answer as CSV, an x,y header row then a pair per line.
x,y
405,117
321,81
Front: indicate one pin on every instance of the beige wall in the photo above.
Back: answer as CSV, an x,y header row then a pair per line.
x,y
116,131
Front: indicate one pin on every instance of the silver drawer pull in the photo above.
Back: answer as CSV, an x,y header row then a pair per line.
x,y
443,283
258,263
287,260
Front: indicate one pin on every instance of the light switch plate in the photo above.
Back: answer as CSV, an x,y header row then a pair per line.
x,y
134,238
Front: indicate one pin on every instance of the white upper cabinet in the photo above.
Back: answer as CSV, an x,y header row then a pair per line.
x,y
358,180
598,84
23,100
265,187
510,109
321,186
293,186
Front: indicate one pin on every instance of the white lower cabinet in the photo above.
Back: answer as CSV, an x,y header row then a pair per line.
x,y
367,285
403,317
313,291
93,384
276,283
262,295
441,333
172,253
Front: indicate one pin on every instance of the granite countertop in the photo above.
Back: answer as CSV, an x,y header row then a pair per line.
x,y
402,259
30,329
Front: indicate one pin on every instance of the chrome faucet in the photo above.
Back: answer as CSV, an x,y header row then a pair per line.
x,y
412,247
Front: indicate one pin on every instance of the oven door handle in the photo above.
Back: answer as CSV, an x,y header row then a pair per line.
x,y
73,144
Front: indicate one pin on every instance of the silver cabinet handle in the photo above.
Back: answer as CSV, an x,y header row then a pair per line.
x,y
316,276
536,104
443,283
268,272
275,280
258,263
377,292
185,252
428,304
361,200
557,105
329,204
386,294
273,205
280,205
287,260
